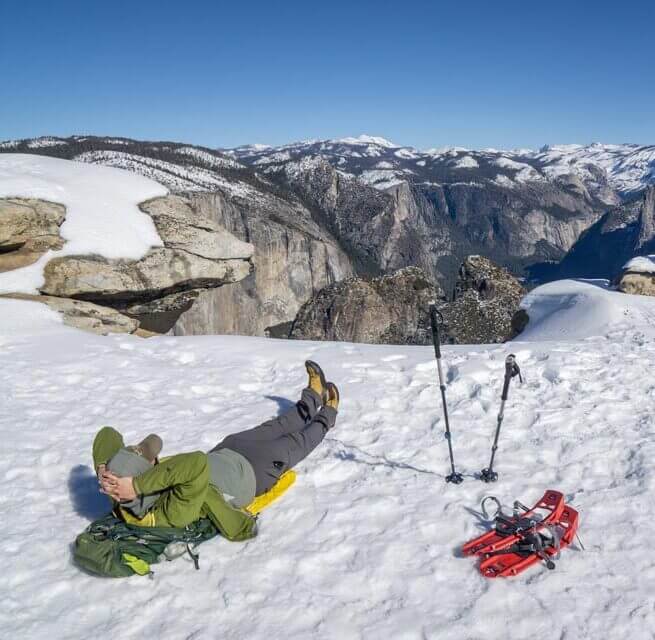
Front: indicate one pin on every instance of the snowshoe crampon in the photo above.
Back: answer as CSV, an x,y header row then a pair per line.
x,y
517,542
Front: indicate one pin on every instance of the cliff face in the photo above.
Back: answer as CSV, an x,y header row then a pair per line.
x,y
622,233
434,226
293,259
319,212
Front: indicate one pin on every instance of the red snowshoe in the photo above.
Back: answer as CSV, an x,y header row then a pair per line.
x,y
517,542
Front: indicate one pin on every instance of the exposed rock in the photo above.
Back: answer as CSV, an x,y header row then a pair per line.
x,y
486,299
161,272
197,253
28,228
603,249
435,225
638,277
184,228
641,284
391,309
394,309
85,315
294,258
160,315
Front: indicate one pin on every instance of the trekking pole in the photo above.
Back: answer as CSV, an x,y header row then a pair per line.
x,y
435,316
511,371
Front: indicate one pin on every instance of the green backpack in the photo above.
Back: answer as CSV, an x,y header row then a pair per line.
x,y
110,547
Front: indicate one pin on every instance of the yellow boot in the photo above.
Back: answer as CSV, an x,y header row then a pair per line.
x,y
316,380
332,396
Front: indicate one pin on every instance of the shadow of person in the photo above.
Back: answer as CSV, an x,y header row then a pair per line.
x,y
85,495
283,404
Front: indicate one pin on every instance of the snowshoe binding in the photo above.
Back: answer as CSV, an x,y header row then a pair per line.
x,y
525,538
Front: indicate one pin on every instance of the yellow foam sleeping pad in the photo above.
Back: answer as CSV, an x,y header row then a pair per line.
x,y
258,504
278,489
147,521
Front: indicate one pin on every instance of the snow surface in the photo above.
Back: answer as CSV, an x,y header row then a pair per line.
x,y
467,162
365,544
175,177
366,140
629,167
641,264
102,216
580,309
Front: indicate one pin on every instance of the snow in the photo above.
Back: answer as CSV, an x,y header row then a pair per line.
x,y
102,216
466,162
365,543
46,141
629,167
365,140
20,318
382,178
641,264
174,176
583,309
406,154
208,158
626,168
504,181
282,156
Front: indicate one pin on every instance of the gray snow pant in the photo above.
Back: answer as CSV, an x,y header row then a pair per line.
x,y
281,443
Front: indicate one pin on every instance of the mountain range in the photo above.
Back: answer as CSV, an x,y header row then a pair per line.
x,y
319,211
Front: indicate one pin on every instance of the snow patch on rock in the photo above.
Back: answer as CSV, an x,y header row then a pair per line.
x,y
102,216
641,264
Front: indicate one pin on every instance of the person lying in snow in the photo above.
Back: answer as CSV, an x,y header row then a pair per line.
x,y
219,484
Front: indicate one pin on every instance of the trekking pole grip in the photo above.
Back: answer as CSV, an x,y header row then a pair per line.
x,y
435,319
511,370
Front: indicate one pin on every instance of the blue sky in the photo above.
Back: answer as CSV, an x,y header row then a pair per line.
x,y
476,74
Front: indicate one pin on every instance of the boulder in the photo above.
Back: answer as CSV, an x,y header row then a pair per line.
x,y
186,229
485,300
198,253
161,272
638,277
28,228
391,309
85,315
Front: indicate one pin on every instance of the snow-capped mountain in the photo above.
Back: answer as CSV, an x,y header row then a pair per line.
x,y
605,169
389,206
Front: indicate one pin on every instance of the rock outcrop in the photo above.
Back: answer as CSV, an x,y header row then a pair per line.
x,y
485,302
28,228
392,309
101,294
197,254
638,277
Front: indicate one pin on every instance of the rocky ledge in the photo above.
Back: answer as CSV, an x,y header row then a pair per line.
x,y
149,293
394,309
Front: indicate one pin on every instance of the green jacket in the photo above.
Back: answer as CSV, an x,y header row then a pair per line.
x,y
187,493
184,478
